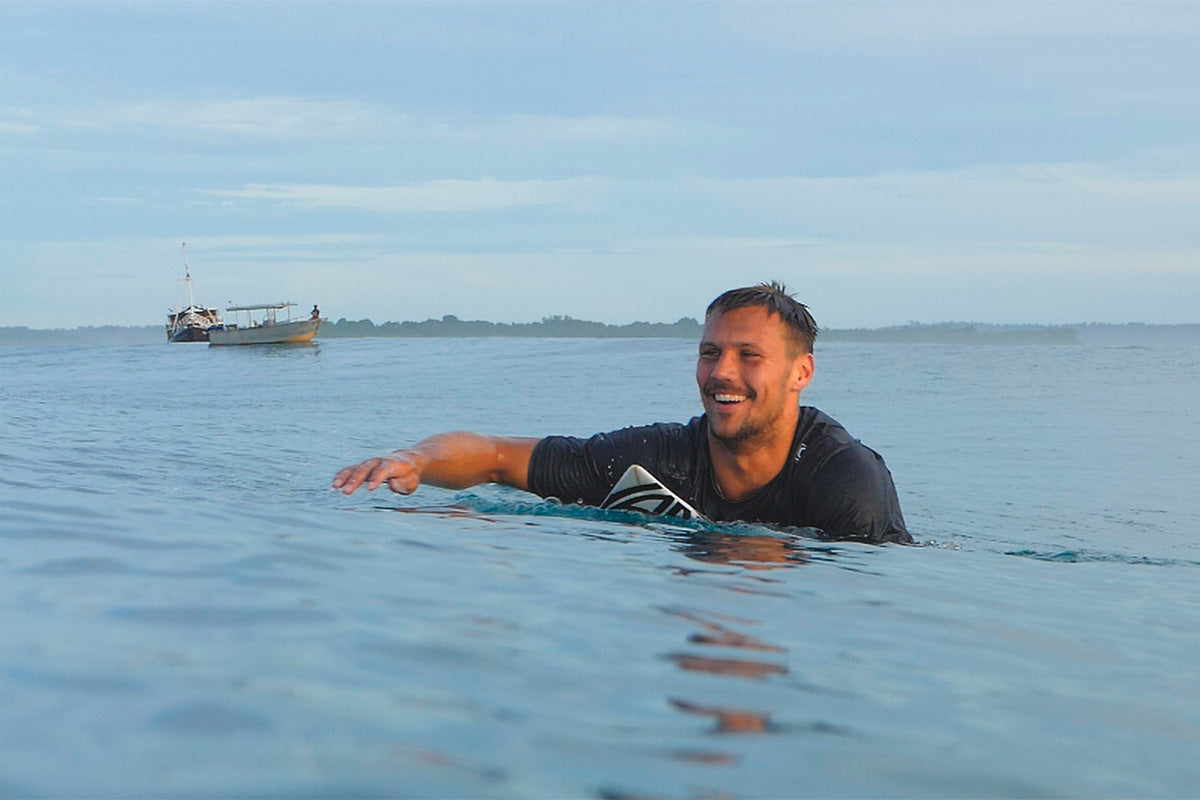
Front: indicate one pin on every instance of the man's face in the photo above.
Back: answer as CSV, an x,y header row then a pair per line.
x,y
749,376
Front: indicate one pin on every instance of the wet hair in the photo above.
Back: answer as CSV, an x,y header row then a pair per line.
x,y
776,299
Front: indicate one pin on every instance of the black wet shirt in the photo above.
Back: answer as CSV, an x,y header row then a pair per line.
x,y
831,482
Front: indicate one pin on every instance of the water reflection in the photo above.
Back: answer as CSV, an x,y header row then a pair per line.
x,y
717,631
720,645
718,634
745,550
727,720
736,667
270,349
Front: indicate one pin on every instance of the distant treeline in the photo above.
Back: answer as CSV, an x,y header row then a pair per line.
x,y
103,334
688,328
450,326
957,333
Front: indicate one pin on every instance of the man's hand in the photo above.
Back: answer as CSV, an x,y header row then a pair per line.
x,y
449,460
400,471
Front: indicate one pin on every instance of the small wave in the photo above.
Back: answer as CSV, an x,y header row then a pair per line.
x,y
535,507
1090,557
523,505
937,544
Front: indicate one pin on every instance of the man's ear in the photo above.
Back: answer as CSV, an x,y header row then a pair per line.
x,y
802,371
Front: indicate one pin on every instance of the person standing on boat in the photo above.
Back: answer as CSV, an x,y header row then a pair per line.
x,y
755,455
316,313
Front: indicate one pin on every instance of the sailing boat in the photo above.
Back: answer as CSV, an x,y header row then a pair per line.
x,y
191,323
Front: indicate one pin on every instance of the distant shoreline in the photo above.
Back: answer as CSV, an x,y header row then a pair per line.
x,y
562,327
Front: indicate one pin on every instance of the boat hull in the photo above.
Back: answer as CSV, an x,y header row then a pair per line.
x,y
188,334
296,332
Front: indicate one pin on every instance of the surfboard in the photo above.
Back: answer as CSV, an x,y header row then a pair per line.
x,y
638,490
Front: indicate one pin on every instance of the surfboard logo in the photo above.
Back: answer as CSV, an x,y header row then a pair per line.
x,y
638,490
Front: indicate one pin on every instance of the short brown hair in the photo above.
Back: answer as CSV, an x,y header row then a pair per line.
x,y
776,299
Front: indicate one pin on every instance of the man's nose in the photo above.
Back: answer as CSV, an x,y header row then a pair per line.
x,y
725,365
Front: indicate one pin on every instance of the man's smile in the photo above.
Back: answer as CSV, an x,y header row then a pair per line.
x,y
726,395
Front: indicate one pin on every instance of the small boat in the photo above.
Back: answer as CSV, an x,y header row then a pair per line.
x,y
191,323
268,328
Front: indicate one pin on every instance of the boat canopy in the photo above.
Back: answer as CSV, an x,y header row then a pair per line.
x,y
259,307
192,308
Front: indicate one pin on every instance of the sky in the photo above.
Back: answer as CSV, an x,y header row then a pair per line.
x,y
999,162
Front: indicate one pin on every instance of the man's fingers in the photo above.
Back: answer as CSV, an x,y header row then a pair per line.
x,y
379,473
340,479
350,478
399,474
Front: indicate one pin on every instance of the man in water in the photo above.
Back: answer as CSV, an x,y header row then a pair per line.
x,y
755,455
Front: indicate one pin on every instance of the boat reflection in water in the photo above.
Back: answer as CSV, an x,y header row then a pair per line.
x,y
267,328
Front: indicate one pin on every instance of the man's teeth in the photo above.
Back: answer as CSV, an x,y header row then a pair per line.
x,y
729,398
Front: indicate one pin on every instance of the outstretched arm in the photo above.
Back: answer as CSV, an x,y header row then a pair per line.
x,y
450,460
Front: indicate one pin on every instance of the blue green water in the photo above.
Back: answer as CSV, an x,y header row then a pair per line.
x,y
186,608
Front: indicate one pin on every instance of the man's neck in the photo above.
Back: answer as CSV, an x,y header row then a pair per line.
x,y
739,469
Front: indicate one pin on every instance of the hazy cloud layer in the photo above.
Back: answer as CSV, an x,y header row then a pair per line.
x,y
483,194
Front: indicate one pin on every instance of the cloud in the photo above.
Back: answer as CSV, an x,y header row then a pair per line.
x,y
904,25
1085,203
483,194
274,243
17,127
262,117
298,118
1119,206
713,244
551,128
18,120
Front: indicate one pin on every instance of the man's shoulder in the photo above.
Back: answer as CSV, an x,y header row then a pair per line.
x,y
825,443
690,431
820,436
844,483
689,428
652,441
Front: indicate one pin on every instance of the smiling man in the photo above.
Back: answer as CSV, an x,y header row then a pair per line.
x,y
755,455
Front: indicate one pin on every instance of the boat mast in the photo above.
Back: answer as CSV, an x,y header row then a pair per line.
x,y
187,276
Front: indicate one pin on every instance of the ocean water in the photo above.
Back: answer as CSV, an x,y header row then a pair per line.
x,y
188,610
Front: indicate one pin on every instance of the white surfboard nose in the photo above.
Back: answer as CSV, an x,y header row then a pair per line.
x,y
638,490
